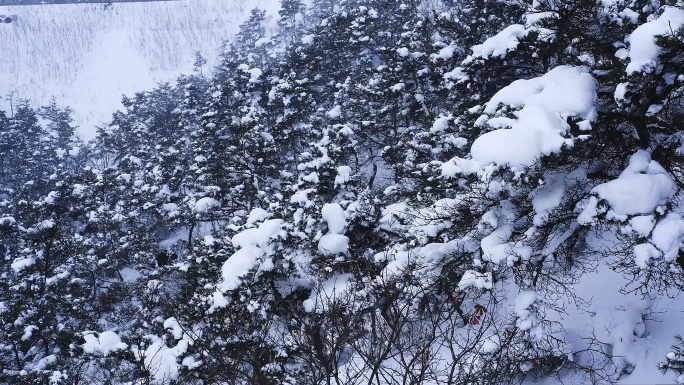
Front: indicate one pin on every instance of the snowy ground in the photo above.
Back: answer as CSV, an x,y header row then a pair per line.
x,y
86,56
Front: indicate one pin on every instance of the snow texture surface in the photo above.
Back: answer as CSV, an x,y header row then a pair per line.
x,y
540,127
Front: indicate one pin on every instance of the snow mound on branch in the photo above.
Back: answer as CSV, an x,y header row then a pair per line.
x,y
254,245
206,205
667,235
20,264
478,280
259,237
162,359
643,186
105,343
343,176
239,264
637,193
541,124
664,243
499,44
496,247
643,51
641,225
333,244
527,319
257,215
333,215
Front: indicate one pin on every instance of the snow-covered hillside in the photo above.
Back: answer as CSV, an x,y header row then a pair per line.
x,y
87,55
358,192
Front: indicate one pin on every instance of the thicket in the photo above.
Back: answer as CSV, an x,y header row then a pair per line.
x,y
329,206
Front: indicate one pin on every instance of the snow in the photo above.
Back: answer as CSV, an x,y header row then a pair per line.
x,y
641,187
490,344
632,335
206,205
548,198
130,275
499,44
630,15
259,237
642,224
445,53
254,245
440,125
329,292
333,215
343,175
257,215
308,39
176,329
511,146
668,235
523,302
28,332
623,329
239,264
20,264
162,360
254,74
7,221
644,253
105,343
333,244
643,52
540,127
458,166
636,194
478,280
335,112
496,248
532,19
137,46
262,41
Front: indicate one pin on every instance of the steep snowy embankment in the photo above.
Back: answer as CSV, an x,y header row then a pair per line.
x,y
86,56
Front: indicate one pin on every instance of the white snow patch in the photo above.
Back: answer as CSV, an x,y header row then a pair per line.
x,y
635,192
526,318
668,234
20,264
440,125
499,44
540,126
206,205
239,264
474,279
343,176
335,112
256,215
104,343
330,291
642,224
333,215
333,244
643,52
259,237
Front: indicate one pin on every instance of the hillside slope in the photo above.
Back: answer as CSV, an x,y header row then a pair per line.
x,y
87,55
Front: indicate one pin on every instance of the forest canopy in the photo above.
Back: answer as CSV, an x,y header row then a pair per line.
x,y
379,192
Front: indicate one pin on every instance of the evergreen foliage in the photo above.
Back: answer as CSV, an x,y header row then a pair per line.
x,y
382,192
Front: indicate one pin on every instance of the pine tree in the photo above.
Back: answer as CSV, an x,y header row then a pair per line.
x,y
290,22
